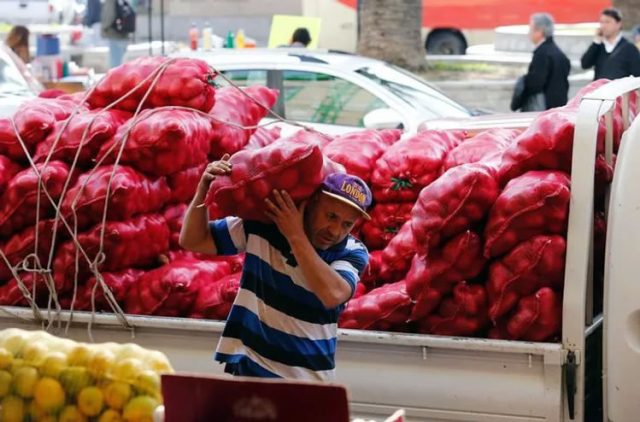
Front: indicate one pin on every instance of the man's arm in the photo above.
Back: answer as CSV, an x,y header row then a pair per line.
x,y
590,56
195,234
536,77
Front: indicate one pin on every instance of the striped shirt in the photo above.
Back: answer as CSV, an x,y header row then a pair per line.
x,y
277,326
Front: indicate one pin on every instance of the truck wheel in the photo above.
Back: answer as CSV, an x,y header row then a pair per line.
x,y
445,42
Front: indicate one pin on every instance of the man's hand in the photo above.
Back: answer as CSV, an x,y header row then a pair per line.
x,y
284,213
213,169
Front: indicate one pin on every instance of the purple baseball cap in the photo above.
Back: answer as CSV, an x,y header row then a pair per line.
x,y
349,189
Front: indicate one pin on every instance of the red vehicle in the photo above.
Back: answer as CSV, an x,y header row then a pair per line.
x,y
449,23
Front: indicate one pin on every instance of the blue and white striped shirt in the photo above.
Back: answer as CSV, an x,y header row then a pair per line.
x,y
277,326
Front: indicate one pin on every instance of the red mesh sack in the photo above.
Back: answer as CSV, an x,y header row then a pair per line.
x,y
390,136
235,109
11,295
163,141
357,152
311,137
361,289
411,164
235,261
380,309
459,259
450,205
184,184
537,318
294,167
172,289
69,136
534,203
174,214
603,178
120,284
18,204
8,169
131,193
484,145
215,298
134,243
34,120
386,220
23,243
533,264
370,275
463,314
396,257
263,136
184,82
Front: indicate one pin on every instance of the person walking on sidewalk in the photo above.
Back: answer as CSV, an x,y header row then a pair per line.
x,y
612,55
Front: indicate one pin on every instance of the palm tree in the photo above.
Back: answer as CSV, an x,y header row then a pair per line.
x,y
391,30
630,11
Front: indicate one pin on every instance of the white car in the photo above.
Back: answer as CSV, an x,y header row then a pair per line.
x,y
335,92
17,85
24,12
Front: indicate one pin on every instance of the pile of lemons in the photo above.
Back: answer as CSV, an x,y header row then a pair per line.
x,y
47,378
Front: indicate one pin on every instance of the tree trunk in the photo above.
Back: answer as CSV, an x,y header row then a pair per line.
x,y
390,30
630,12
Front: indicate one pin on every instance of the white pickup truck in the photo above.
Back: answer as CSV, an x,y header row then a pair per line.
x,y
594,369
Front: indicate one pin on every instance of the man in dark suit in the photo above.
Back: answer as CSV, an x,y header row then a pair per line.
x,y
612,55
546,83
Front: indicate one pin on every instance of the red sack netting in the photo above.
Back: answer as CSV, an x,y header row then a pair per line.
x,y
34,120
172,289
603,178
134,243
235,109
537,318
215,299
18,204
174,214
184,184
386,220
119,283
235,261
371,274
389,136
293,167
358,151
380,309
396,257
263,137
310,137
533,264
99,125
162,141
463,314
534,203
22,244
459,259
450,205
8,169
36,285
130,193
411,164
184,82
485,145
361,290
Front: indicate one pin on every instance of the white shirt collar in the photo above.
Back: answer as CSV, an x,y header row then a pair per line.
x,y
610,46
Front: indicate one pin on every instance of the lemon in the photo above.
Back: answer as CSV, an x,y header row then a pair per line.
x,y
148,382
130,350
79,355
128,369
159,362
5,383
14,342
140,409
117,394
71,414
90,401
36,413
110,415
74,379
48,394
6,358
54,363
12,409
34,352
101,363
24,381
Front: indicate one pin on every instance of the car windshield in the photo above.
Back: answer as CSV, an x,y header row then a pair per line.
x,y
414,91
